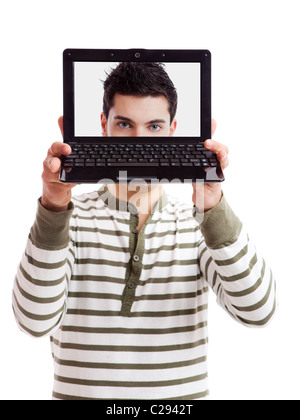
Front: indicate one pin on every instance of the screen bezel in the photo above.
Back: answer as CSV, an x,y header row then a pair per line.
x,y
112,55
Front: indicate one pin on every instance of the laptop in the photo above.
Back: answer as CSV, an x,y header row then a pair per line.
x,y
137,114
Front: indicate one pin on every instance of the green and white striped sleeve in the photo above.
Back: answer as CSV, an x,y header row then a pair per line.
x,y
41,282
236,272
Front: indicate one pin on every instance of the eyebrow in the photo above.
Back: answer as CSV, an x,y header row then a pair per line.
x,y
120,117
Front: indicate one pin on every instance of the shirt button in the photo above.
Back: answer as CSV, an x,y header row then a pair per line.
x,y
134,231
131,285
136,258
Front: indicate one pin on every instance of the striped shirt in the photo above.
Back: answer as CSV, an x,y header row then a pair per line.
x,y
126,312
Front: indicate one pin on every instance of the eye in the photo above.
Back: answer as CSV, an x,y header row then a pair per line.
x,y
155,127
123,125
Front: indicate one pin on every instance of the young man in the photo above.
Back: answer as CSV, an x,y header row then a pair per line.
x,y
122,290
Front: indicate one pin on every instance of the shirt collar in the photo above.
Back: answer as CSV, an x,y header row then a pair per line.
x,y
120,205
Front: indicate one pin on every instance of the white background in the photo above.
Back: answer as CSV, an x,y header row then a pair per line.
x,y
88,92
256,91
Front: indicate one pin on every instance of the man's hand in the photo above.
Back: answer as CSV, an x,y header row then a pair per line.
x,y
56,195
211,194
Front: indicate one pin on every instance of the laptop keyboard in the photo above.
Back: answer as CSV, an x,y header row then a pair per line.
x,y
159,155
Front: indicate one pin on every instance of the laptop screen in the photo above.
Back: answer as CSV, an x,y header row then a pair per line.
x,y
157,95
89,78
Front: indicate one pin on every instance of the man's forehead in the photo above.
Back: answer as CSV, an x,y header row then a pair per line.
x,y
141,107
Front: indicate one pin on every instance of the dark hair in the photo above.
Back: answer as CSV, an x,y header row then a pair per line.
x,y
139,79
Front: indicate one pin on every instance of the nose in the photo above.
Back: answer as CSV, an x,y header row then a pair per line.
x,y
140,132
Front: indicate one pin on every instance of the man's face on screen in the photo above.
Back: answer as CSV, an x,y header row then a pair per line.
x,y
136,116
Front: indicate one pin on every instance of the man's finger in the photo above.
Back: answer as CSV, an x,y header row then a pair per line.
x,y
52,161
54,165
215,147
223,159
58,149
61,125
213,126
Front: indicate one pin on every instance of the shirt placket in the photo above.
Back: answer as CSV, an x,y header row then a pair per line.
x,y
133,272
